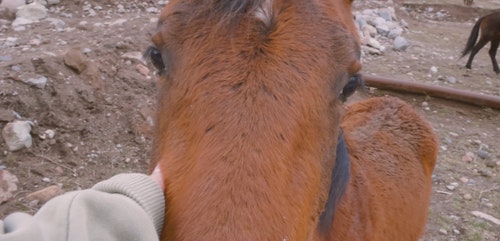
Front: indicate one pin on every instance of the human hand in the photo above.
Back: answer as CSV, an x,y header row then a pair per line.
x,y
157,176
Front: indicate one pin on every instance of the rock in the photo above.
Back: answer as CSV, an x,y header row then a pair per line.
x,y
374,43
44,195
135,56
57,23
75,59
467,197
48,134
17,135
464,180
8,185
491,163
10,41
486,217
451,187
468,157
434,70
37,82
53,2
400,44
483,154
451,80
10,8
394,33
5,58
30,13
7,115
443,231
142,69
369,31
383,29
388,14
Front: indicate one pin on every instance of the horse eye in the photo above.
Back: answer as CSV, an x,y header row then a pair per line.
x,y
355,81
153,55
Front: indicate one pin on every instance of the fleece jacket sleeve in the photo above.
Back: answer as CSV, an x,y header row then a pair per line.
x,y
124,207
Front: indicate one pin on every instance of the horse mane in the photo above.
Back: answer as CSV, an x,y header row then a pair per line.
x,y
339,180
234,7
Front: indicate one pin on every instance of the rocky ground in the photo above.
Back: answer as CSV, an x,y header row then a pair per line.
x,y
77,80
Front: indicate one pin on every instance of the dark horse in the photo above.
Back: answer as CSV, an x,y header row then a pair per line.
x,y
490,32
253,138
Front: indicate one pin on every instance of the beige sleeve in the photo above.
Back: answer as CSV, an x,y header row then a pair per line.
x,y
124,207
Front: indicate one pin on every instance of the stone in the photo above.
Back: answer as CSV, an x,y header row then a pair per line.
x,y
17,135
394,33
483,154
7,115
434,70
57,23
75,59
467,196
10,8
468,157
5,58
44,195
37,82
142,69
135,56
30,13
388,14
374,43
400,44
382,29
369,30
8,185
53,2
451,80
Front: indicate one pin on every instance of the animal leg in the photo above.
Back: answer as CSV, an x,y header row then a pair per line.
x,y
479,45
493,52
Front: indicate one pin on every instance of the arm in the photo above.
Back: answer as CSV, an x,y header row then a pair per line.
x,y
124,207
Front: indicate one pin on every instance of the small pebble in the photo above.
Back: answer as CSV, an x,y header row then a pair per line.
x,y
491,164
443,231
45,179
467,196
483,154
468,157
464,180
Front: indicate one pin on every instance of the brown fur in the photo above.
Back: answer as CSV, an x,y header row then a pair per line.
x,y
393,152
487,28
249,114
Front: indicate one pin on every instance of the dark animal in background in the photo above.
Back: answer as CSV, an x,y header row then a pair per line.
x,y
489,27
248,132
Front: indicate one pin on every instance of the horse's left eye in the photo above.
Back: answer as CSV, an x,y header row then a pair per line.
x,y
154,55
355,81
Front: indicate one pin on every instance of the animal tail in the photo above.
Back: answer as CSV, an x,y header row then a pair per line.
x,y
472,38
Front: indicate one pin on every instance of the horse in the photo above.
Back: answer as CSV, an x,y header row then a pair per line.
x,y
253,138
490,32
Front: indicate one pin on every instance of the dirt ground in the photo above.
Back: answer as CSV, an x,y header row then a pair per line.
x,y
102,116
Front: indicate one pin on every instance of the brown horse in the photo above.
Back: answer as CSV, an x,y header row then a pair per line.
x,y
248,128
490,32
